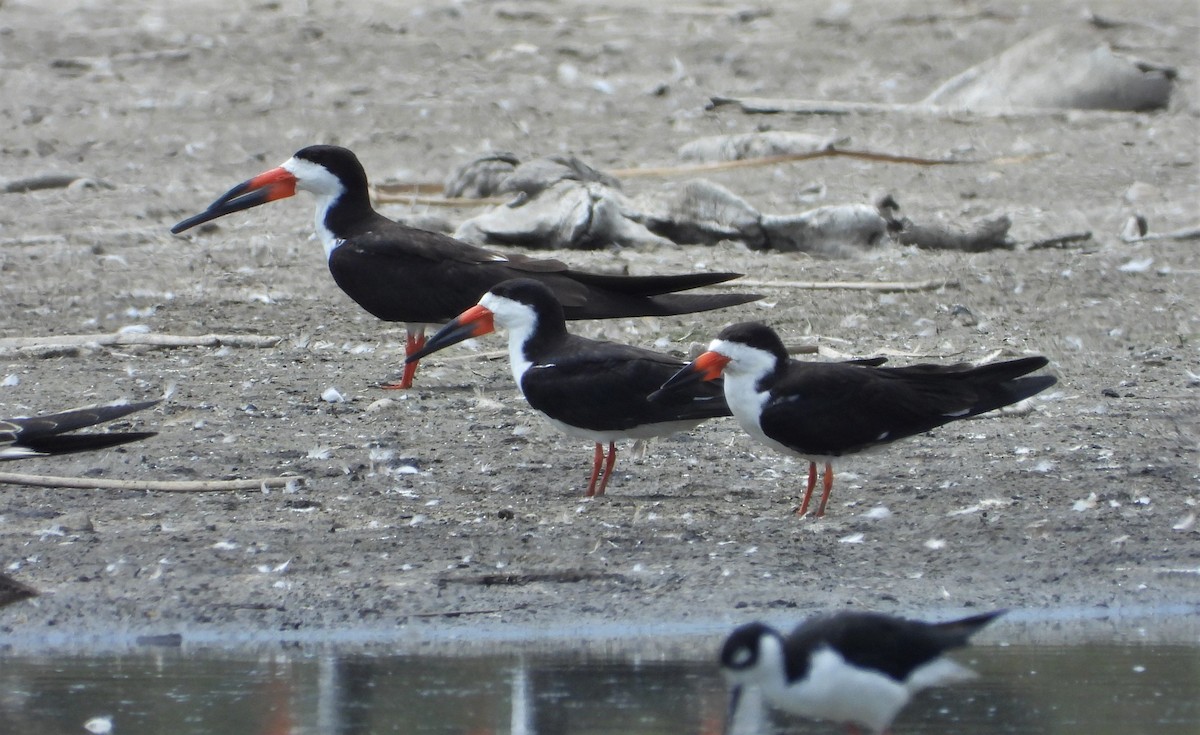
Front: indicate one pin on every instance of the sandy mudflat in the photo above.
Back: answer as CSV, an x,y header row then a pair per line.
x,y
1083,501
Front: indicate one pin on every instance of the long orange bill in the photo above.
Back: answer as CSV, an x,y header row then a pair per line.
x,y
707,366
474,322
278,183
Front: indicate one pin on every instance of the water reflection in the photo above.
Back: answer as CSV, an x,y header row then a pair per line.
x,y
1099,690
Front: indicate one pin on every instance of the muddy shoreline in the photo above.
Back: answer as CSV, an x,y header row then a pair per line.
x,y
412,502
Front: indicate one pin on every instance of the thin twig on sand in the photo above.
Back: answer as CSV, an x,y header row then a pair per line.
x,y
883,286
161,486
419,192
136,338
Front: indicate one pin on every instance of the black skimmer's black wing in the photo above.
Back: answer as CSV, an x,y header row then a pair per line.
x,y
49,434
832,409
588,388
824,410
13,591
403,274
859,668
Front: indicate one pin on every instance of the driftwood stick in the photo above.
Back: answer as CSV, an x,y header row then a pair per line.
x,y
408,194
405,193
161,486
1187,233
883,286
139,338
763,105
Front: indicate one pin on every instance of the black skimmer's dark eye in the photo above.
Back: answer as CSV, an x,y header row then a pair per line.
x,y
474,322
278,183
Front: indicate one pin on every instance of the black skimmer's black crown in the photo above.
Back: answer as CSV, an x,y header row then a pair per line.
x,y
821,411
49,434
586,388
857,668
403,274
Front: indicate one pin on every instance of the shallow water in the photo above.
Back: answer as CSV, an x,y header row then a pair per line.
x,y
1094,689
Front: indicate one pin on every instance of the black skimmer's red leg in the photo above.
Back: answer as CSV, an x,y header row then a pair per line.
x,y
609,462
822,411
49,434
857,668
402,274
589,389
413,343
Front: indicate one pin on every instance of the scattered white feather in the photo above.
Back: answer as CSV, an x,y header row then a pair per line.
x,y
854,538
1186,523
11,380
320,453
225,545
379,405
332,395
1137,265
1088,503
99,725
934,544
380,454
277,569
417,519
878,513
134,329
407,470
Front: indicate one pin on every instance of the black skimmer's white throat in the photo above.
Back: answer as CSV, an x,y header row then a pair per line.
x,y
856,668
403,274
31,437
586,388
821,411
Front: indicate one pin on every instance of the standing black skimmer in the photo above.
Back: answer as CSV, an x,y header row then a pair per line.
x,y
857,668
402,274
30,437
587,388
820,411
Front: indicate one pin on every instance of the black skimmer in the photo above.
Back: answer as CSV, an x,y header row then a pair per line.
x,y
403,274
13,591
820,411
857,668
587,388
30,437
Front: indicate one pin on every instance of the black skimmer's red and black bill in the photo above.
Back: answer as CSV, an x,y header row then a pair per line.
x,y
49,434
856,668
403,274
820,411
587,388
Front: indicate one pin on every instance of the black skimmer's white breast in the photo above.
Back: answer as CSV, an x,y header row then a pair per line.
x,y
403,274
49,434
857,668
821,411
589,389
